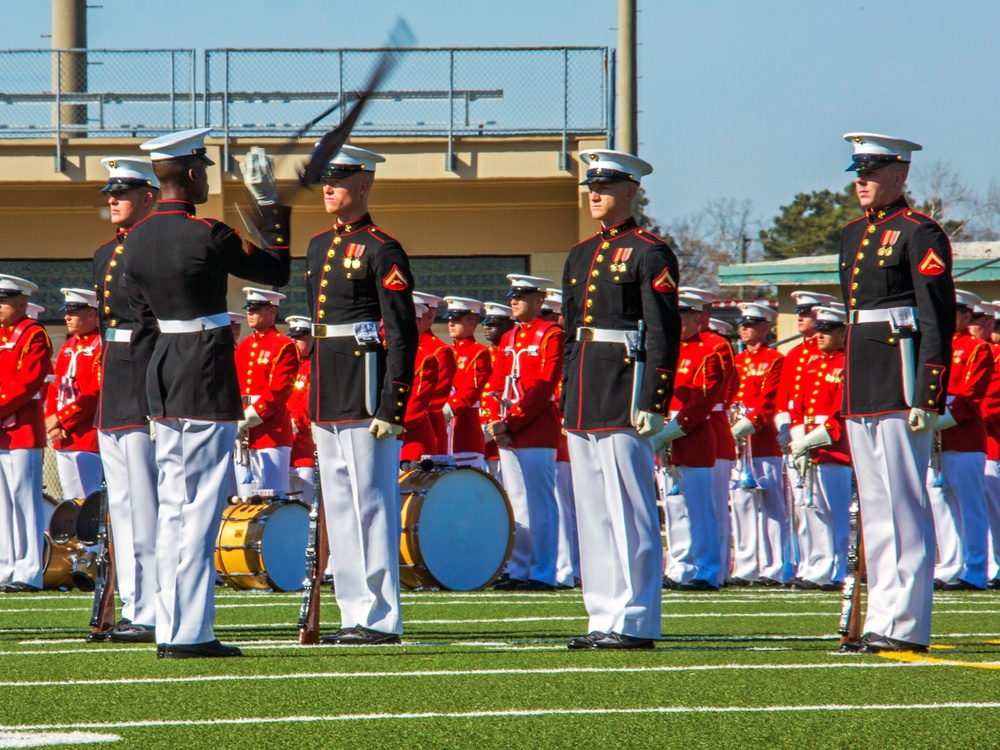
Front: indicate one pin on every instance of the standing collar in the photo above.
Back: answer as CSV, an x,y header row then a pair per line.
x,y
615,229
352,226
875,215
175,204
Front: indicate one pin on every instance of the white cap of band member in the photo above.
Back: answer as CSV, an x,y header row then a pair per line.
x,y
755,312
496,311
553,300
874,151
522,284
707,297
984,308
996,308
236,318
257,296
967,299
74,299
182,143
691,301
807,300
11,286
128,173
603,165
34,310
428,300
419,307
719,326
351,159
459,306
830,317
298,325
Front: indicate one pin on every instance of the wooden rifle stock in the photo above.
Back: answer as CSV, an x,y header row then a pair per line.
x,y
317,552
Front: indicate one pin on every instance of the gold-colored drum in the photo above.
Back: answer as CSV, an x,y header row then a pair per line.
x,y
263,545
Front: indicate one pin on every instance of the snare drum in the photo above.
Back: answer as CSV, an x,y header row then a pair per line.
x,y
458,529
68,565
263,545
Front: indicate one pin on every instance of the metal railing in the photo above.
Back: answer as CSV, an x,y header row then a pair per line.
x,y
443,93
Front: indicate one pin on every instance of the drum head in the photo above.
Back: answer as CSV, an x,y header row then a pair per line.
x,y
88,523
283,545
464,529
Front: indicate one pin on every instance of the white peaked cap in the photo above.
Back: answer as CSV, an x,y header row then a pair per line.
x,y
496,310
427,299
521,283
182,143
12,285
872,150
966,298
128,173
235,317
77,297
262,296
350,159
830,316
758,310
692,301
811,299
603,165
553,300
706,294
298,323
462,305
34,310
719,326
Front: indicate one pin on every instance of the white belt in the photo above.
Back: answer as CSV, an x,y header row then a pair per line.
x,y
338,331
881,316
603,335
207,323
118,335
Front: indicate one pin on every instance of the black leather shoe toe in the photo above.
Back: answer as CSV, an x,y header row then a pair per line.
x,y
885,643
208,650
362,636
586,641
698,584
618,641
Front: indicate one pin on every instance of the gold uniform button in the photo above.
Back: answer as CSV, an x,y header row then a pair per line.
x,y
628,361
930,402
854,285
861,256
323,283
107,293
326,267
357,353
119,250
253,345
616,278
114,323
321,314
396,418
892,340
592,288
605,245
279,240
871,229
399,403
330,254
108,277
595,273
347,228
881,262
663,377
336,240
659,391
590,303
106,309
933,387
588,319
322,298
865,242
600,258
935,372
572,281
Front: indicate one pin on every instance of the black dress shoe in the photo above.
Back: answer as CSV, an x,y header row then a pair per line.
x,y
801,584
533,585
832,586
98,636
885,643
19,588
208,650
334,637
625,643
961,585
586,641
737,581
508,584
856,647
669,584
698,584
128,632
766,582
362,636
939,584
994,584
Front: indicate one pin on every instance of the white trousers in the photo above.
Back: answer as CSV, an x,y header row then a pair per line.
x,y
992,490
961,524
891,461
692,529
760,525
530,474
720,495
79,472
360,484
494,468
301,479
621,554
129,459
823,520
567,547
21,532
193,457
268,471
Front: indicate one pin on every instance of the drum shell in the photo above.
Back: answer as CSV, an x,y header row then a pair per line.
x,y
57,564
416,489
240,546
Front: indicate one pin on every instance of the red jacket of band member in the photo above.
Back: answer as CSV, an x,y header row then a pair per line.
x,y
445,356
990,408
268,363
817,401
527,376
797,359
76,391
496,355
473,366
725,445
968,381
699,384
303,445
419,437
25,363
760,374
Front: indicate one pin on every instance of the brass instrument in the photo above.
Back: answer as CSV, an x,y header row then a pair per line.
x,y
745,479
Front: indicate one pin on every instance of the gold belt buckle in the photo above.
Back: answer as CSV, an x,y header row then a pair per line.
x,y
585,335
810,420
319,330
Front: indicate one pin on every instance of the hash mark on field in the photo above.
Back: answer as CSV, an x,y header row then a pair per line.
x,y
510,714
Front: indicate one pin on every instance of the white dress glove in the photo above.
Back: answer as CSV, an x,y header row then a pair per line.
x,y
815,439
668,434
743,428
250,419
647,423
447,412
381,430
921,419
258,176
946,421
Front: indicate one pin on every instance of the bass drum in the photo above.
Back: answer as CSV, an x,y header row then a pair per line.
x,y
67,566
263,546
458,529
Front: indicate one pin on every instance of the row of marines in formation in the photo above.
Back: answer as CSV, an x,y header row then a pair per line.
x,y
612,374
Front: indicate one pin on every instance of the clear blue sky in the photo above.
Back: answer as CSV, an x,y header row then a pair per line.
x,y
738,99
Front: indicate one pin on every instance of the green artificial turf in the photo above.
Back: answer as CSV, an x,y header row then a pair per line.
x,y
740,668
